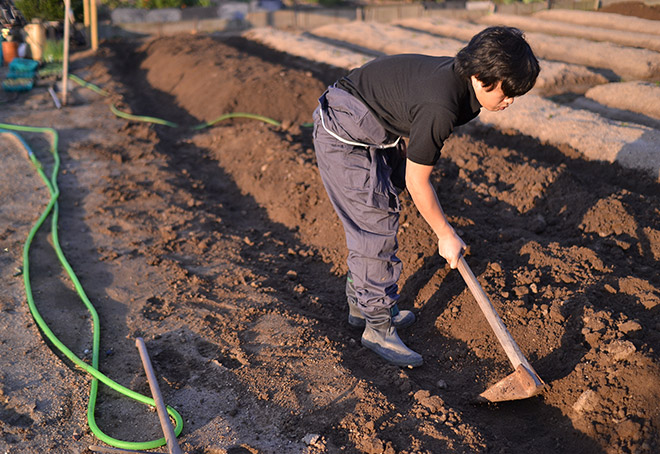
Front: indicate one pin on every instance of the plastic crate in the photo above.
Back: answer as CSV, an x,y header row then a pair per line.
x,y
18,84
22,67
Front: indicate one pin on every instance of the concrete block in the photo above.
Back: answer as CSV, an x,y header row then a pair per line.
x,y
163,15
233,11
128,15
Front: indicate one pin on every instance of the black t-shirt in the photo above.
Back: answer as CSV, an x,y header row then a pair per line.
x,y
416,96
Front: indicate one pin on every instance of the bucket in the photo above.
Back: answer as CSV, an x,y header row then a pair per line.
x,y
36,39
9,51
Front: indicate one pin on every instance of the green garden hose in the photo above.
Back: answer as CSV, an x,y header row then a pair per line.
x,y
128,116
53,209
159,121
238,115
84,83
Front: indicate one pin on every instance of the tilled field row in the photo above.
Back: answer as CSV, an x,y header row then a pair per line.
x,y
555,77
598,19
598,134
635,96
623,61
632,145
558,28
309,48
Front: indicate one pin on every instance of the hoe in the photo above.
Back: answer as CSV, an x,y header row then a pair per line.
x,y
524,382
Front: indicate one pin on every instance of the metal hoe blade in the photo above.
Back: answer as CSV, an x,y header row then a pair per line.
x,y
520,384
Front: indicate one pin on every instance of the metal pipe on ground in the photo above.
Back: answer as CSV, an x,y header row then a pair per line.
x,y
168,430
107,450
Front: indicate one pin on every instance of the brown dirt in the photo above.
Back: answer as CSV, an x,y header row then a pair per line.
x,y
220,248
637,9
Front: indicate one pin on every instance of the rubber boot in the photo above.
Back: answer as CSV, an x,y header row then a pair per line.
x,y
381,337
400,319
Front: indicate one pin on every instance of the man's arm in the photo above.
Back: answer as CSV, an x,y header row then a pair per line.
x,y
418,182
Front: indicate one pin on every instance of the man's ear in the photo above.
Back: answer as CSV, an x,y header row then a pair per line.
x,y
477,84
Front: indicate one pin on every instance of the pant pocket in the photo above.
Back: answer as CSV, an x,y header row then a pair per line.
x,y
383,193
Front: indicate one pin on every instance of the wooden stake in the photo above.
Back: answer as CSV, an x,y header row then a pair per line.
x,y
86,21
86,14
65,63
95,24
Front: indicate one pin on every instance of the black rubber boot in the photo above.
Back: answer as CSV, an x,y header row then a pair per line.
x,y
400,319
381,337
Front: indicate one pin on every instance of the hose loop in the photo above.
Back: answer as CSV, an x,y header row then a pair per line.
x,y
52,209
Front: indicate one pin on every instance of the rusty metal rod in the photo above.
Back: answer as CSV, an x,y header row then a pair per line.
x,y
105,449
170,436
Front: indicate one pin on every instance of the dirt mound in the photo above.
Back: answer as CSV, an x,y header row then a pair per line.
x,y
220,247
640,97
637,9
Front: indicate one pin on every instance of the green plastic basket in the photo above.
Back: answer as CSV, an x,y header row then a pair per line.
x,y
22,67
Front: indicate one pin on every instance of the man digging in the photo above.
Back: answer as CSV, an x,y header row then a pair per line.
x,y
365,165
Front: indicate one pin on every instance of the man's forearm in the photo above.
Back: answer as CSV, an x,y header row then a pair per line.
x,y
426,200
429,207
418,182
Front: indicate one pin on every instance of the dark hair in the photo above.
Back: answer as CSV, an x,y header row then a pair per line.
x,y
499,54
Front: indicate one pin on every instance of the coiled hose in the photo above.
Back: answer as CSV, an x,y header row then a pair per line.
x,y
53,209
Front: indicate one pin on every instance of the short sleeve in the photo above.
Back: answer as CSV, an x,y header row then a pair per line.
x,y
429,130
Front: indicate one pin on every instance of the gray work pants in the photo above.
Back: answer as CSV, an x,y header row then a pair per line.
x,y
363,183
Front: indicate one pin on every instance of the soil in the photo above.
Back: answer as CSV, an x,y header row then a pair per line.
x,y
637,9
219,247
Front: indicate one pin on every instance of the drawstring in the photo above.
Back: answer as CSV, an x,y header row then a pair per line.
x,y
355,144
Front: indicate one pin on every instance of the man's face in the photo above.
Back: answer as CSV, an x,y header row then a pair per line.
x,y
491,98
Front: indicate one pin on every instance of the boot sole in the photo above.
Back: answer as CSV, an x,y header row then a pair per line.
x,y
377,349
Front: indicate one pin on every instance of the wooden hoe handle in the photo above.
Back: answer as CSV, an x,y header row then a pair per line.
x,y
506,340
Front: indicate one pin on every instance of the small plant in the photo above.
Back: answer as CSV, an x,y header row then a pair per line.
x,y
53,51
154,4
47,10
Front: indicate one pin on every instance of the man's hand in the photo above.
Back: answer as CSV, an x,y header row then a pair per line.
x,y
451,247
